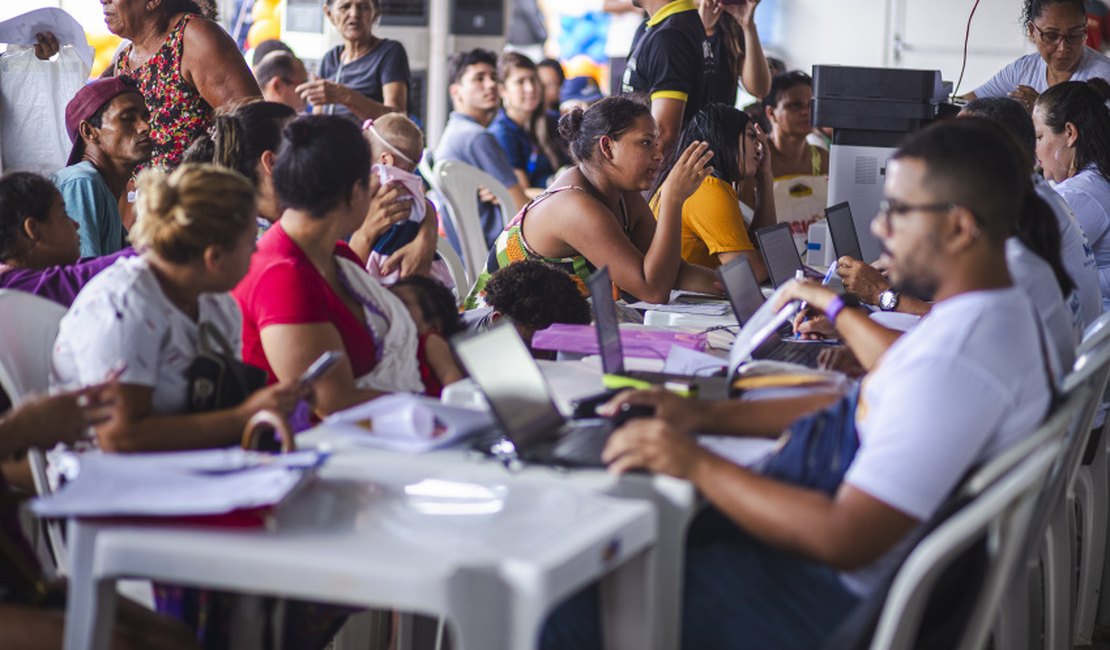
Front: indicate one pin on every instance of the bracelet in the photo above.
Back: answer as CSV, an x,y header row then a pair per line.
x,y
837,304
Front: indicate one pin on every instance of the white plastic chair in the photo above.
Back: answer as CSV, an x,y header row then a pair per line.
x,y
458,185
1088,501
28,328
455,267
1002,512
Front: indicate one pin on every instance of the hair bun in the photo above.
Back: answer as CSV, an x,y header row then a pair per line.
x,y
1100,86
298,132
570,124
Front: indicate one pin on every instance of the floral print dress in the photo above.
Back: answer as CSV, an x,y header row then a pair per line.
x,y
178,114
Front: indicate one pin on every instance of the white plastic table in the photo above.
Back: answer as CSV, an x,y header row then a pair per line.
x,y
492,556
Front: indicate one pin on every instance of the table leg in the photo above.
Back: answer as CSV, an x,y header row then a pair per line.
x,y
629,604
482,613
91,601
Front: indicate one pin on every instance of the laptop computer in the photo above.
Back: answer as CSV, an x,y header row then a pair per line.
x,y
780,254
611,348
843,231
746,299
500,364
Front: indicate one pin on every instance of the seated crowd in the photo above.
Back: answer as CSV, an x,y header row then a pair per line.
x,y
281,216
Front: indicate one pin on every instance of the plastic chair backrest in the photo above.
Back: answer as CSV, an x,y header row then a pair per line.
x,y
27,332
1000,511
1095,333
455,268
458,185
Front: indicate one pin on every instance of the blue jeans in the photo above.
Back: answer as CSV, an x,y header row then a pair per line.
x,y
738,593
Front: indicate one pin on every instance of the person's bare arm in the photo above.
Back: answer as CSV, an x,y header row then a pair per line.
x,y
442,360
761,189
136,427
519,196
646,262
668,119
755,74
693,277
808,522
618,6
415,257
755,260
387,207
866,283
867,339
211,61
291,349
321,92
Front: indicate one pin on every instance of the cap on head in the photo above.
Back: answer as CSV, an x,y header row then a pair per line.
x,y
90,99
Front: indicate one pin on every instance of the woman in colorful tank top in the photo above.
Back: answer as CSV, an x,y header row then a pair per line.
x,y
186,66
595,215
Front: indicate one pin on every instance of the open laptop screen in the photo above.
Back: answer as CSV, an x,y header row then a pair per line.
x,y
776,244
499,362
605,320
742,288
843,230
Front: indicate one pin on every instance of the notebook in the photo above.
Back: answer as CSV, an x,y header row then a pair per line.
x,y
843,231
500,364
780,255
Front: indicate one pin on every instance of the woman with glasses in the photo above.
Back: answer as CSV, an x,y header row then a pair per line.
x,y
366,77
1072,123
1059,30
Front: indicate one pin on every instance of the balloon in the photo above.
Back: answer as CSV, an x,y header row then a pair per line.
x,y
264,9
263,30
582,66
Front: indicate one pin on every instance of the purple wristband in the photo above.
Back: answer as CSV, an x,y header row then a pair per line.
x,y
834,308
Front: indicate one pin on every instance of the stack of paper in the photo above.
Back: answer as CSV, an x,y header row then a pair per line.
x,y
405,423
208,482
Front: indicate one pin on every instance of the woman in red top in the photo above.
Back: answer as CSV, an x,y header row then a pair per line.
x,y
307,293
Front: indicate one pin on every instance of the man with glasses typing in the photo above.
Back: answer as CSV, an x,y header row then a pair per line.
x,y
1059,30
784,555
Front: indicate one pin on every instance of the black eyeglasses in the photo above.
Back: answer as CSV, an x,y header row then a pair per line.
x,y
890,207
1074,36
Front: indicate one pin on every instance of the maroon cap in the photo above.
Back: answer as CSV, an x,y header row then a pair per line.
x,y
90,99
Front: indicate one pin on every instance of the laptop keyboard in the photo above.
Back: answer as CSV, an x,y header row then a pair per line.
x,y
803,354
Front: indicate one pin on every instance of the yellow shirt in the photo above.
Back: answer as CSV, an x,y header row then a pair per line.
x,y
711,223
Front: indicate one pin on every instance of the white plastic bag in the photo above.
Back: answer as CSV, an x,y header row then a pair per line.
x,y
33,98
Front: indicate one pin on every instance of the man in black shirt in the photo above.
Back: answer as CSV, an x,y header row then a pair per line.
x,y
670,59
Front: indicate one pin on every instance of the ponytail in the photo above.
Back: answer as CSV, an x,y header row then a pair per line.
x,y
1036,227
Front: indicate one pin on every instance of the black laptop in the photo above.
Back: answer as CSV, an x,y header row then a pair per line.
x,y
843,230
611,348
780,254
500,364
746,298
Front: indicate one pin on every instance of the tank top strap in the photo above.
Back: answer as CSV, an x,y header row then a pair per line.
x,y
815,159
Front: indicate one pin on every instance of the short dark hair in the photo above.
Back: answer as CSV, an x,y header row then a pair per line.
x,y
22,195
781,83
612,117
463,60
1082,103
267,46
1011,116
723,127
278,64
238,139
536,294
436,303
554,65
320,160
1032,9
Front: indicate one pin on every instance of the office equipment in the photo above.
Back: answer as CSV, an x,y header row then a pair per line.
x,y
842,227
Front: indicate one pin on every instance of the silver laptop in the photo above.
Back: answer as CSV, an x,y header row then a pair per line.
x,y
500,364
747,299
843,231
780,255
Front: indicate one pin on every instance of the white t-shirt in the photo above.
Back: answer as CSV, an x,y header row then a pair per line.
x,y
1034,276
1088,195
961,387
1031,70
122,316
1085,302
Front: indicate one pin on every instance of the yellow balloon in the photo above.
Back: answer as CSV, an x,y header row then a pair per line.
x,y
263,30
583,66
264,9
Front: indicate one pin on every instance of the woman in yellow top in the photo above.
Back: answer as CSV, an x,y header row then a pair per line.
x,y
713,228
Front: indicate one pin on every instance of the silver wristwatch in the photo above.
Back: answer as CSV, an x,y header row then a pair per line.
x,y
888,300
